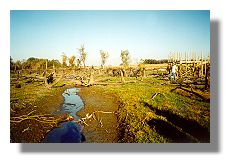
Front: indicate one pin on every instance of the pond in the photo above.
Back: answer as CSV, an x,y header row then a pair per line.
x,y
68,132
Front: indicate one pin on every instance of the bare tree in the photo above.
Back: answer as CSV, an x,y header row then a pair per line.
x,y
142,68
83,55
11,64
104,56
64,59
17,65
72,61
78,63
40,63
125,56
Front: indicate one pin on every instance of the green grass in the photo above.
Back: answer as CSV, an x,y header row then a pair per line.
x,y
135,111
139,114
26,96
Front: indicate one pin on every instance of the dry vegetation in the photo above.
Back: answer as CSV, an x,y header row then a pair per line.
x,y
151,109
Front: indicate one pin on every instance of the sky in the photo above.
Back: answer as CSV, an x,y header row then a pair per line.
x,y
146,34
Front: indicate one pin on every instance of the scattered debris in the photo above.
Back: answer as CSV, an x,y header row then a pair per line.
x,y
156,94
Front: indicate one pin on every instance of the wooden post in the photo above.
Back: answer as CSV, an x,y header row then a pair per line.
x,y
179,69
195,72
169,58
193,63
206,76
205,63
187,64
178,55
201,64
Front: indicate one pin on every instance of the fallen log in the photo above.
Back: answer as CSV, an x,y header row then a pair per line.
x,y
46,118
193,92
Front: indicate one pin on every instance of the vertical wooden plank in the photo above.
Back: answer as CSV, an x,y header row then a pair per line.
x,y
176,57
193,63
201,64
186,63
205,64
207,76
180,64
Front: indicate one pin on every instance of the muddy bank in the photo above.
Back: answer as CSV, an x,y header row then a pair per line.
x,y
103,127
31,128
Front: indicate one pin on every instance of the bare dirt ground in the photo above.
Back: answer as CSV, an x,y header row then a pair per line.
x,y
33,130
103,127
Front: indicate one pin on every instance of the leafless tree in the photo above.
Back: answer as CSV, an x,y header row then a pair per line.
x,y
125,56
83,55
104,56
64,59
72,61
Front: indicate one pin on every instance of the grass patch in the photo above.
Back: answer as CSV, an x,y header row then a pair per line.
x,y
145,120
173,115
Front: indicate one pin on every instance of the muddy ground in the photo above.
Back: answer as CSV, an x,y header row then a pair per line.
x,y
103,127
137,119
32,130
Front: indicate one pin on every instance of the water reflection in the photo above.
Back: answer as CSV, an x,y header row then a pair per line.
x,y
68,132
72,102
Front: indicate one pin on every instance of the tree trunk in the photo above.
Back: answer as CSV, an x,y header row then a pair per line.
x,y
122,77
45,81
91,80
144,74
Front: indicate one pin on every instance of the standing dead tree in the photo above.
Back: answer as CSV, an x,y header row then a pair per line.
x,y
72,61
79,63
104,56
142,68
64,59
125,56
83,55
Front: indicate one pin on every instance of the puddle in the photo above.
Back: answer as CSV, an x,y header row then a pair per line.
x,y
68,132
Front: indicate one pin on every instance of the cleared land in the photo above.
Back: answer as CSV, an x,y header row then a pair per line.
x,y
142,108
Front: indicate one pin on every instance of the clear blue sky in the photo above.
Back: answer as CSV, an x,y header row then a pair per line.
x,y
146,34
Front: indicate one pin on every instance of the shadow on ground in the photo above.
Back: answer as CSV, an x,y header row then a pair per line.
x,y
177,128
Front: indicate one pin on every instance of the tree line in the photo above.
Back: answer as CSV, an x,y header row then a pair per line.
x,y
67,61
34,63
154,61
70,61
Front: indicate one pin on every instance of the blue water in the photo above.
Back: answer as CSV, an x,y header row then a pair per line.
x,y
68,132
72,102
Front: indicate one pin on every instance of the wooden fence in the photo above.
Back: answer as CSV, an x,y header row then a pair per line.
x,y
190,64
